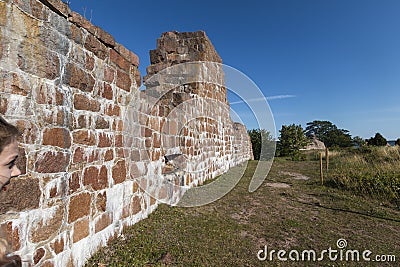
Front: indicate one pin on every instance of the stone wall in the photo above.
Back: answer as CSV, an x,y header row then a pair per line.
x,y
97,154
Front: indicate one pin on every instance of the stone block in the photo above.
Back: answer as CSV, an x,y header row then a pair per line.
x,y
109,74
86,155
75,34
101,123
81,230
58,245
79,206
11,234
79,78
119,140
105,37
82,102
119,61
103,221
52,162
108,155
39,254
119,172
134,59
22,194
107,91
89,62
3,14
101,202
97,178
80,21
48,227
136,206
123,80
105,140
57,137
113,110
48,94
21,161
43,63
94,45
74,182
60,6
84,137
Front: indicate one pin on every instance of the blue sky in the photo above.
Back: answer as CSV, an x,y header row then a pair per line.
x,y
328,60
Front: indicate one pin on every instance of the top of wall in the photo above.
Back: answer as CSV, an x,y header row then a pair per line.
x,y
62,9
179,47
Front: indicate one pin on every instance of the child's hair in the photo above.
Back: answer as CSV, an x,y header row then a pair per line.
x,y
8,133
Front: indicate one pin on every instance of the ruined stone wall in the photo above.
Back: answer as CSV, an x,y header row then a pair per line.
x,y
93,147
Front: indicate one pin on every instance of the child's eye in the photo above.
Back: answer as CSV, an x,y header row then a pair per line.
x,y
11,164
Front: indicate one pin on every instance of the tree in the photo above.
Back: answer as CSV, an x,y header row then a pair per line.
x,y
291,140
397,143
262,143
359,141
377,140
329,133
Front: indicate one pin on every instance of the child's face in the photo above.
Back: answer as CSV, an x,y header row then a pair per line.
x,y
8,169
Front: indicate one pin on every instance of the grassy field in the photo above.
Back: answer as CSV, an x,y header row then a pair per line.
x,y
232,230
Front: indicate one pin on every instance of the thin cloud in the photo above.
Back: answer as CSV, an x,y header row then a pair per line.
x,y
263,99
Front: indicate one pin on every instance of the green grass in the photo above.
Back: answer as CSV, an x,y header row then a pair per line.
x,y
230,231
373,171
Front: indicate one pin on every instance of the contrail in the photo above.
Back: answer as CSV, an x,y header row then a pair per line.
x,y
263,99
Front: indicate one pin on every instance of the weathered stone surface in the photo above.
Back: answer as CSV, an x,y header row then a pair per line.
x,y
84,137
74,182
48,94
102,222
82,102
79,206
22,194
124,81
109,74
21,160
97,178
119,172
120,61
43,63
135,205
57,137
52,162
105,140
94,45
81,230
101,202
58,245
11,234
39,254
3,14
68,88
60,6
105,37
46,228
107,91
80,21
87,155
101,123
78,78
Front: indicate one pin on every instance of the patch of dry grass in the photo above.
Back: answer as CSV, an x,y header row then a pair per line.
x,y
230,231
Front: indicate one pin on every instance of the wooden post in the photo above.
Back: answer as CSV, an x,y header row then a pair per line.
x,y
327,160
321,169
